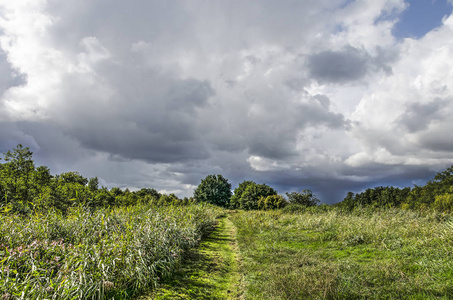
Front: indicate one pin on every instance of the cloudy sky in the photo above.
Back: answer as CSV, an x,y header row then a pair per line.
x,y
330,95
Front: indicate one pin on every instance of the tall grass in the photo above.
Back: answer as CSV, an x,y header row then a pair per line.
x,y
96,255
389,254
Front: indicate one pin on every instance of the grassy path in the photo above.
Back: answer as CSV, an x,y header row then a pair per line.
x,y
211,271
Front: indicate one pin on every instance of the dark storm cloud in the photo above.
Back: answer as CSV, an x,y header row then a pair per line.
x,y
418,116
50,146
11,135
8,76
441,142
348,65
273,125
154,121
332,189
163,93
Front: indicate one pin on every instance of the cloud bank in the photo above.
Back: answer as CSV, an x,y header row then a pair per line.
x,y
296,94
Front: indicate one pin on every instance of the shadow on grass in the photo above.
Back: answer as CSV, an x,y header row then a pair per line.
x,y
202,271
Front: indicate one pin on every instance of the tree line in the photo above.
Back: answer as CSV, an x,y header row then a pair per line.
x,y
249,195
25,188
437,194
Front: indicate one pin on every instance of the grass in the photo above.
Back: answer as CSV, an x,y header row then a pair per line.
x,y
210,271
105,254
192,252
390,254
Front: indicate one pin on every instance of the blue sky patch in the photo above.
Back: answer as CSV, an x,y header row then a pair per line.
x,y
420,17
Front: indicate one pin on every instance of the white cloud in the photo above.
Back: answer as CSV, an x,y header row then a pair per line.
x,y
418,93
259,89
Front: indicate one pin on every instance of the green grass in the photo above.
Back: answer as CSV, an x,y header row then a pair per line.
x,y
204,252
97,255
210,271
391,254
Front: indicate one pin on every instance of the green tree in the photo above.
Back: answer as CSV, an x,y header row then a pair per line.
x,y
16,174
214,189
306,198
73,177
271,202
235,201
253,193
93,184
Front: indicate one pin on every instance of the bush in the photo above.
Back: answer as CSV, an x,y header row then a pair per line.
x,y
253,193
306,198
444,202
271,202
294,208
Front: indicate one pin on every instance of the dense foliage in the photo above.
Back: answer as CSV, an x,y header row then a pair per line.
x,y
235,202
305,198
376,197
214,189
110,253
248,195
271,202
25,188
436,194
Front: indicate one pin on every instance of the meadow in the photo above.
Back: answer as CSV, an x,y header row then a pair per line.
x,y
324,253
200,251
104,254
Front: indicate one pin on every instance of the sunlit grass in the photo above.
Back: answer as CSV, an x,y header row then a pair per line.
x,y
85,255
390,254
209,271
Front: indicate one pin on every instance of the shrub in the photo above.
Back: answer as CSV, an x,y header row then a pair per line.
x,y
253,193
271,202
444,202
294,208
306,198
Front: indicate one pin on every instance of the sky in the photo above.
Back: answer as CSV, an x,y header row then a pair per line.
x,y
327,95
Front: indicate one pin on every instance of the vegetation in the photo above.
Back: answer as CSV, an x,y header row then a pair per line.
x,y
26,189
377,197
248,194
235,201
64,237
326,254
113,253
305,198
271,202
210,271
437,195
214,189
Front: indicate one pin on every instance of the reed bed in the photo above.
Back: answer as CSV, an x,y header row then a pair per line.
x,y
106,254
